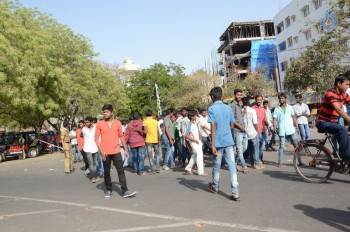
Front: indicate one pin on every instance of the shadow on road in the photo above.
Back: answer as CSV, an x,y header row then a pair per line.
x,y
115,187
338,219
291,176
199,185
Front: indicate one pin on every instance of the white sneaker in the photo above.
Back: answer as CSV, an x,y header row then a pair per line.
x,y
87,172
166,168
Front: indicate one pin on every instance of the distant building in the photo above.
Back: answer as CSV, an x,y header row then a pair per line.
x,y
297,26
246,47
128,68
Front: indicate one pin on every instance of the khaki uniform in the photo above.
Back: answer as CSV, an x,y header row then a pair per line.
x,y
68,157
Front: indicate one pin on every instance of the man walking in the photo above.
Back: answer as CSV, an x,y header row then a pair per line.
x,y
220,117
90,147
262,123
302,111
283,119
239,135
107,134
152,141
169,140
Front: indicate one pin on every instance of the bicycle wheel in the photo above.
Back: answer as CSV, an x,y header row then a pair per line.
x,y
316,163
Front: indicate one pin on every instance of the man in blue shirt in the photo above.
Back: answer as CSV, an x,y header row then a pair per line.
x,y
221,118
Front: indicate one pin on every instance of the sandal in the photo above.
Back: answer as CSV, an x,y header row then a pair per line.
x,y
279,165
245,170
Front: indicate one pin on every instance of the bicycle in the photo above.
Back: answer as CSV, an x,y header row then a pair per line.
x,y
315,163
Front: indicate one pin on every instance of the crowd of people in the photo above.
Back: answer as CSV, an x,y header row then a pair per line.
x,y
228,134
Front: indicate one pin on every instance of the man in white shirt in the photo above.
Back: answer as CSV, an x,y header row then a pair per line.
x,y
74,142
90,147
302,111
205,132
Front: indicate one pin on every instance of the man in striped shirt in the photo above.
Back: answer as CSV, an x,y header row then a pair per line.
x,y
330,111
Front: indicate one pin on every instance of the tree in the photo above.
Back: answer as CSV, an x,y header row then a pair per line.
x,y
140,87
47,71
195,89
253,84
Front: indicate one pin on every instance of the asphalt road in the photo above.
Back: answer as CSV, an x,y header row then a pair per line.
x,y
36,195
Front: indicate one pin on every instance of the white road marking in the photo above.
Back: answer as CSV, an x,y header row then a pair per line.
x,y
142,228
187,221
3,217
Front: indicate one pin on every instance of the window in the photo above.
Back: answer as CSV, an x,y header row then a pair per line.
x,y
280,27
293,18
284,66
290,41
296,39
282,46
317,3
288,21
307,34
305,10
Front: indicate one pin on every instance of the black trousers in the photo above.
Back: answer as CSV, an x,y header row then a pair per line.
x,y
117,160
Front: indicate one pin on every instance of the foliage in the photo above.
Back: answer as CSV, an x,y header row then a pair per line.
x,y
141,86
47,71
253,84
196,88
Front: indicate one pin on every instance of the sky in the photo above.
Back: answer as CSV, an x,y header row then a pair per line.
x,y
185,32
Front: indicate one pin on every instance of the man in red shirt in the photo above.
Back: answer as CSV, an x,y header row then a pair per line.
x,y
262,122
107,135
331,109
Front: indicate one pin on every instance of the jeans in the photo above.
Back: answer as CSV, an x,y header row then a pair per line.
x,y
266,135
293,139
76,153
138,158
226,152
261,146
92,159
169,155
304,131
155,146
118,164
241,144
85,159
100,164
341,135
253,149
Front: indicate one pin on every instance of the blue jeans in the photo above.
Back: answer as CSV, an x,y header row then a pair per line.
x,y
304,131
76,153
100,165
341,135
241,144
253,149
226,152
155,147
169,154
266,135
261,146
92,159
293,139
138,158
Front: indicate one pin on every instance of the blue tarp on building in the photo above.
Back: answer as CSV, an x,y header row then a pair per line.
x,y
264,57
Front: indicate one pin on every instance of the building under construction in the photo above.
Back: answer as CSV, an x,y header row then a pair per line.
x,y
246,47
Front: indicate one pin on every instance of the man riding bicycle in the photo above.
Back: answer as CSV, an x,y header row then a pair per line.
x,y
330,111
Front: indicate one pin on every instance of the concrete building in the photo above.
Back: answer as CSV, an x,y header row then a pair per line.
x,y
237,44
297,26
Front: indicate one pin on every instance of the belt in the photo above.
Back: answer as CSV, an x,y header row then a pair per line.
x,y
67,142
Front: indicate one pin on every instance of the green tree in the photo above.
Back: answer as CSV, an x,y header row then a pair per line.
x,y
253,84
140,87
